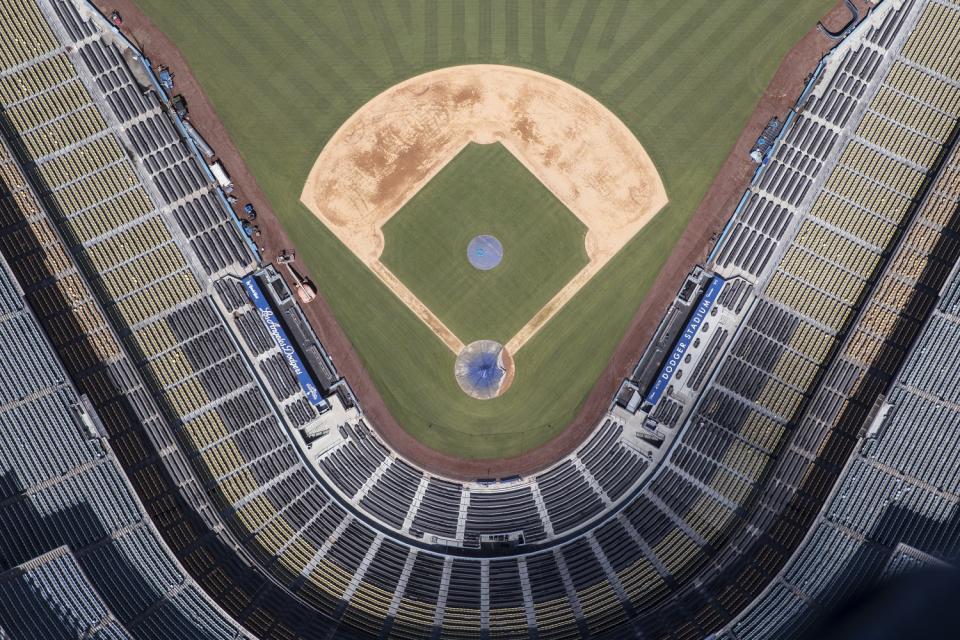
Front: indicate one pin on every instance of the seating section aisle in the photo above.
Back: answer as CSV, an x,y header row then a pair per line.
x,y
61,486
131,262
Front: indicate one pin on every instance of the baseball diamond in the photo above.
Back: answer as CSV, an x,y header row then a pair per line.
x,y
396,143
643,67
484,188
479,319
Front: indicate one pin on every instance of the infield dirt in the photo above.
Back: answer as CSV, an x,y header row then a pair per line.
x,y
396,143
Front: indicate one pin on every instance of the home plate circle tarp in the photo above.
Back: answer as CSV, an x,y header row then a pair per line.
x,y
484,252
484,369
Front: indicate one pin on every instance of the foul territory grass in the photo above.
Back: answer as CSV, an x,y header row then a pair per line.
x,y
484,190
684,76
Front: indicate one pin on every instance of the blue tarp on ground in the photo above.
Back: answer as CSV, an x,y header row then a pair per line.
x,y
484,252
484,371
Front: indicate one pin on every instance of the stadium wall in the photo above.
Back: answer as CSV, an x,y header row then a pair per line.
x,y
144,62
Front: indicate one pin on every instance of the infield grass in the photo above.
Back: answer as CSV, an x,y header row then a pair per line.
x,y
484,190
684,76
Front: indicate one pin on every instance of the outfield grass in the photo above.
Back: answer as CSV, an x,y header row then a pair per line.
x,y
484,190
684,76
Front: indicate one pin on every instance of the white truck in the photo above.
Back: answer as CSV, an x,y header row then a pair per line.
x,y
221,175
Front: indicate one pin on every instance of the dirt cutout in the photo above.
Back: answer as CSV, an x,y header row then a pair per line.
x,y
396,143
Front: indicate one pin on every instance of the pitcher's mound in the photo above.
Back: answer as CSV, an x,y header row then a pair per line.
x,y
484,369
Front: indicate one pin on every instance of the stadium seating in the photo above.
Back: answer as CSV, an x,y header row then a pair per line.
x,y
130,259
569,498
79,552
899,488
54,600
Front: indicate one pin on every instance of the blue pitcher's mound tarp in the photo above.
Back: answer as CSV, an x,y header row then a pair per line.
x,y
484,369
484,252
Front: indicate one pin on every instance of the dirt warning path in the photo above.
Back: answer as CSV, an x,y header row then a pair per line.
x,y
709,218
396,143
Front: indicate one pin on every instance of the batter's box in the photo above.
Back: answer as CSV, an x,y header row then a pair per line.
x,y
387,151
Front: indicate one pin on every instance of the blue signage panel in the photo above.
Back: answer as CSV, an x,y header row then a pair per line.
x,y
275,329
683,342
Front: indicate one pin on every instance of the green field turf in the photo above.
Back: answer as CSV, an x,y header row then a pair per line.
x,y
484,190
684,76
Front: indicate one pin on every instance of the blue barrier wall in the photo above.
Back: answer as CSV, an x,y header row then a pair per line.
x,y
275,329
683,342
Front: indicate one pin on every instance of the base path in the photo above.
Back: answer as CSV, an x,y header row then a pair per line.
x,y
713,212
396,143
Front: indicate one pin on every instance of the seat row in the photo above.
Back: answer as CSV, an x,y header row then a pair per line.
x,y
324,555
31,36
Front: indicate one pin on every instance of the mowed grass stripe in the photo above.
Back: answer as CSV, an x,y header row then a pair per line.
x,y
409,40
309,73
264,110
511,20
484,28
387,37
471,34
283,87
458,29
612,25
406,12
675,43
691,85
431,37
355,27
650,33
538,15
562,11
683,76
577,39
308,48
728,104
280,88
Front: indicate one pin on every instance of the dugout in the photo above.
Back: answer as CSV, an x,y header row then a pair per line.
x,y
670,328
304,340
